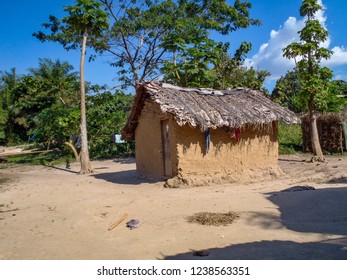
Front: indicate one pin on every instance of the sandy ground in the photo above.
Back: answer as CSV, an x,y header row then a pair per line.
x,y
53,213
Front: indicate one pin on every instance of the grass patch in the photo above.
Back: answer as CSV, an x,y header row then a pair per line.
x,y
3,180
290,138
44,158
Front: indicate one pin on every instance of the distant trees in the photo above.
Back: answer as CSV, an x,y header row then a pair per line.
x,y
8,121
25,96
44,106
3,120
287,93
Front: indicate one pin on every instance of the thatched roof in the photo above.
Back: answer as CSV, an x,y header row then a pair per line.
x,y
207,108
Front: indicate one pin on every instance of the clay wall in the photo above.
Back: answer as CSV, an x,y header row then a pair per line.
x,y
253,155
149,148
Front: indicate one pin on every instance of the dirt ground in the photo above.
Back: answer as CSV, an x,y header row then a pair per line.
x,y
50,212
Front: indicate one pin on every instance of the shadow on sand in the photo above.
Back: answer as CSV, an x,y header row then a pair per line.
x,y
322,211
62,169
128,160
126,177
274,250
342,180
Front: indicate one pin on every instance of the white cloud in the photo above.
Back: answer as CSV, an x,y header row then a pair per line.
x,y
270,54
341,77
338,58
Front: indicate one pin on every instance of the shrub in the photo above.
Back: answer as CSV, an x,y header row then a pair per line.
x,y
290,138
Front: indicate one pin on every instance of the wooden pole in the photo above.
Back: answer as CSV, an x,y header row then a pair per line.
x,y
118,222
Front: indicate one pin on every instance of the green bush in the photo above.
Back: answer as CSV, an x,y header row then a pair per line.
x,y
103,149
290,138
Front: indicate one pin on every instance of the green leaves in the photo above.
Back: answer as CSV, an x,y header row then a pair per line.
x,y
85,17
52,83
145,38
106,115
314,85
309,8
208,64
56,122
286,92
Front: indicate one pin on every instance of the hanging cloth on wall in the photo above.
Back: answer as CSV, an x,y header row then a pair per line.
x,y
237,134
207,140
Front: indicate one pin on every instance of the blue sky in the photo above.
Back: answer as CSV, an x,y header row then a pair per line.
x,y
281,21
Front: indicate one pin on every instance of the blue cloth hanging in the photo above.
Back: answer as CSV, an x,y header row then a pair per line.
x,y
207,140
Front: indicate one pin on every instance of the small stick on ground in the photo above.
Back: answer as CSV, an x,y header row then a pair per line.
x,y
118,222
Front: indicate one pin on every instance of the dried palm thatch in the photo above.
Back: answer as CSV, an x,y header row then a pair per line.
x,y
332,131
207,108
213,219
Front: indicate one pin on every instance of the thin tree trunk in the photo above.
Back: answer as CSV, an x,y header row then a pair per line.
x,y
316,147
175,64
84,153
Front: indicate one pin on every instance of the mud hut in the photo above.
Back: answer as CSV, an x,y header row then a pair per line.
x,y
332,132
196,136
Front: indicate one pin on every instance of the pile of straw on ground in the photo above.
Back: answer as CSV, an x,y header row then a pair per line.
x,y
213,219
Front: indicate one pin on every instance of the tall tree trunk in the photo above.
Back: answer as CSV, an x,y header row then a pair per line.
x,y
84,153
316,147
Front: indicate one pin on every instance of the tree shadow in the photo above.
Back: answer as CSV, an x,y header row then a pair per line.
x,y
319,211
305,210
335,249
60,168
341,180
127,160
293,160
126,177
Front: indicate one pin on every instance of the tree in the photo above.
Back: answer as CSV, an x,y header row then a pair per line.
x,y
25,96
84,24
210,65
3,118
107,114
342,87
146,34
58,81
57,122
286,92
10,94
192,67
230,71
313,78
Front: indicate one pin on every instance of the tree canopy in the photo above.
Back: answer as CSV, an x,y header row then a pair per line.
x,y
147,34
43,107
210,65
